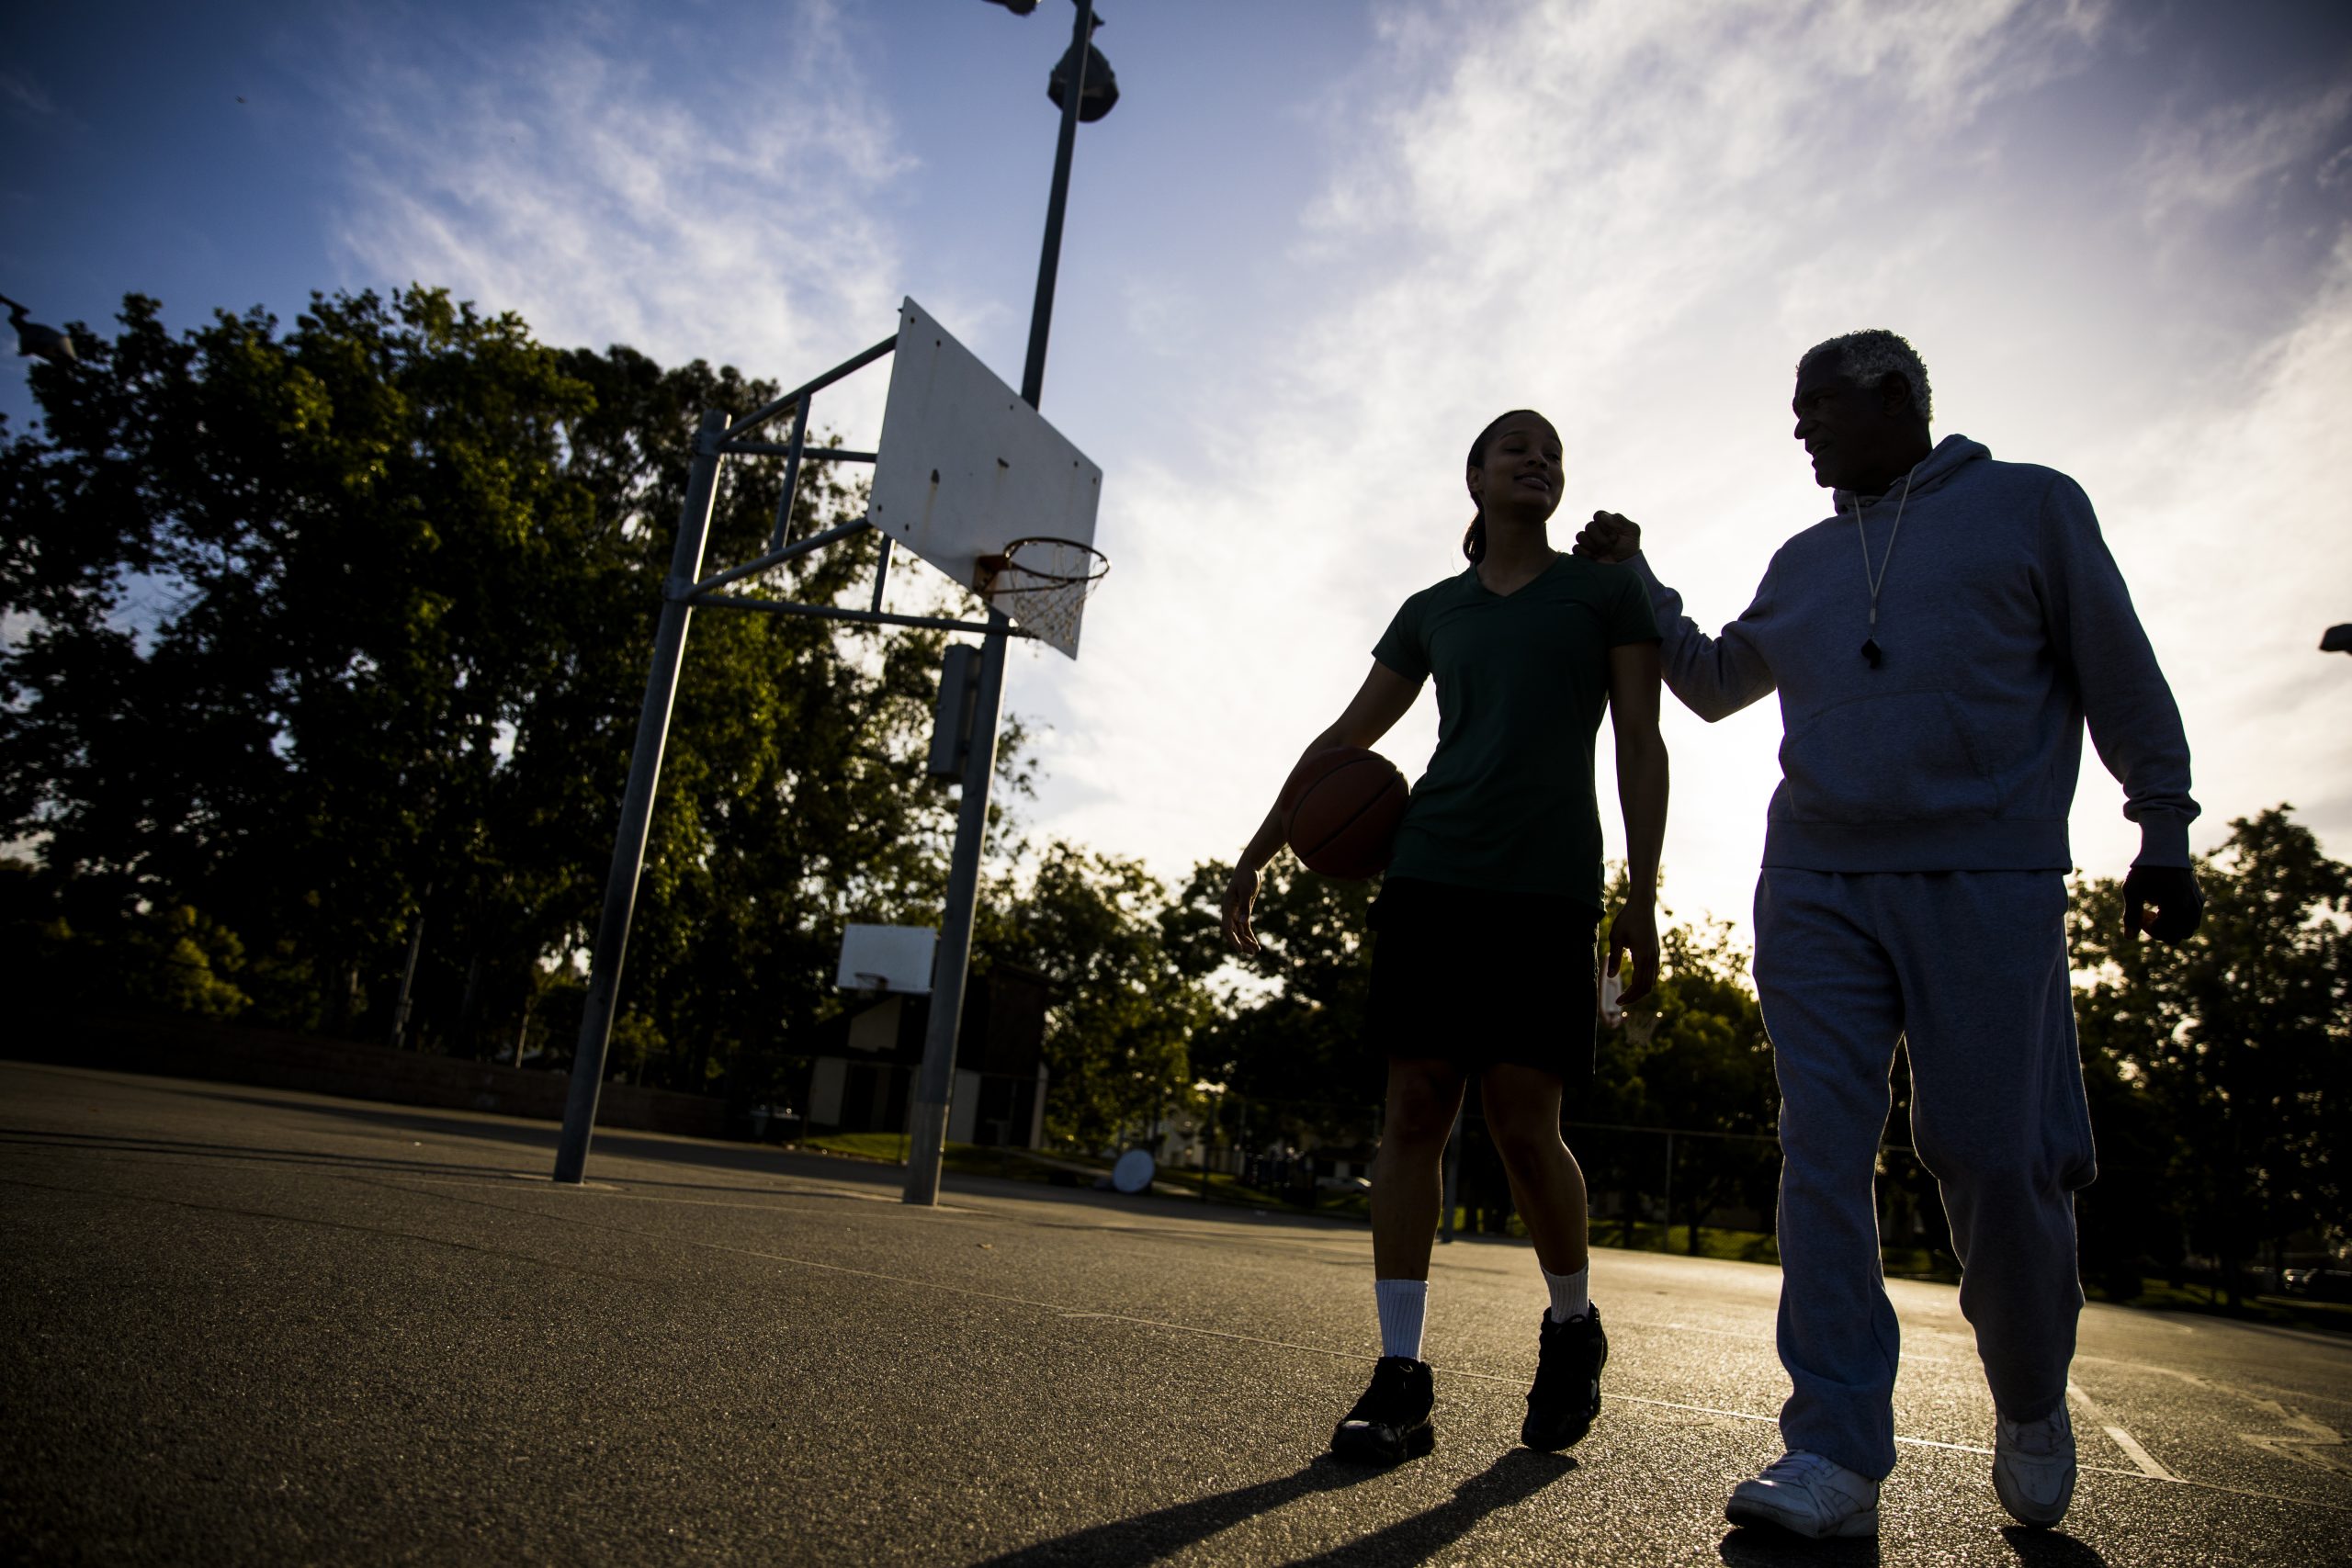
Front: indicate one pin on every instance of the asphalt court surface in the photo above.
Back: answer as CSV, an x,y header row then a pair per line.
x,y
253,1325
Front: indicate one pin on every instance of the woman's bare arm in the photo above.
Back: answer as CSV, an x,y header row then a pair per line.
x,y
1642,781
1378,704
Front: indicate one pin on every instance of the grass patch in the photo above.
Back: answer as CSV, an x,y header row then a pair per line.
x,y
963,1159
889,1147
2284,1312
1735,1246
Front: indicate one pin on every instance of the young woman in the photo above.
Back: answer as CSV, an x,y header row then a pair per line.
x,y
1481,965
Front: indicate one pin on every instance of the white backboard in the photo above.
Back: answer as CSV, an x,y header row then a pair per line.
x,y
888,958
965,468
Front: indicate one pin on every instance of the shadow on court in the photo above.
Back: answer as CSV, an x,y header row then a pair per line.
x,y
1518,1475
1148,1538
245,1153
2050,1549
1772,1548
537,1139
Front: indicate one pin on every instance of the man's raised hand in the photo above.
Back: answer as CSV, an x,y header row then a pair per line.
x,y
1608,537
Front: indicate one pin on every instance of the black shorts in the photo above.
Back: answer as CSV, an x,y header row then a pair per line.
x,y
1480,977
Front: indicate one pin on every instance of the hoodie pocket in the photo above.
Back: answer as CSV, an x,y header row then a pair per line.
x,y
1906,757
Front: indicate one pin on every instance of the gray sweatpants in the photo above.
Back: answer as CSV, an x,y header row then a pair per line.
x,y
1969,969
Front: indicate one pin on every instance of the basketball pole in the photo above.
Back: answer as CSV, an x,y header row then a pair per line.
x,y
927,1128
637,804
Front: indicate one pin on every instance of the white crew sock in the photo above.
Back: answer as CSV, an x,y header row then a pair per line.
x,y
1569,1292
1403,1303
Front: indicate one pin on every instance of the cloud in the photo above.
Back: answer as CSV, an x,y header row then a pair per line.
x,y
1629,215
24,99
2226,155
616,177
2227,519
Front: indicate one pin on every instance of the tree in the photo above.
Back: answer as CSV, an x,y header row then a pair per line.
x,y
1705,1068
1124,1011
2238,1046
1289,1025
335,631
1287,1030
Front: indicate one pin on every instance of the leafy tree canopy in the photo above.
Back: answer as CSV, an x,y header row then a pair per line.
x,y
327,630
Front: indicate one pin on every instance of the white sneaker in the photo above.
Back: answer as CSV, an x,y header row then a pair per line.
x,y
1808,1495
2033,1467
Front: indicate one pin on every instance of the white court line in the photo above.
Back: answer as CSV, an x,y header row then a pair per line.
x,y
2123,1439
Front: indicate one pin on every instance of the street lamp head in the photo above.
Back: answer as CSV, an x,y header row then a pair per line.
x,y
2338,639
1018,7
1102,89
36,341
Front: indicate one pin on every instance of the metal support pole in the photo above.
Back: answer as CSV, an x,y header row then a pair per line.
x,y
794,450
927,1117
1041,312
1669,1235
408,974
927,1126
778,556
637,804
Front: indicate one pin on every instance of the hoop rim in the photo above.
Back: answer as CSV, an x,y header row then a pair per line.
x,y
995,565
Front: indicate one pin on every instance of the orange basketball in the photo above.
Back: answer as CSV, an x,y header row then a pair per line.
x,y
1341,810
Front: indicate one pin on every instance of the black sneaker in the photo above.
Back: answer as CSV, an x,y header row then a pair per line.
x,y
1567,1395
1391,1422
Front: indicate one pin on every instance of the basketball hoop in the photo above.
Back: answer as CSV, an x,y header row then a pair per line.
x,y
1042,583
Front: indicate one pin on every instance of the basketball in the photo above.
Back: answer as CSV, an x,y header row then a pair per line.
x,y
1341,809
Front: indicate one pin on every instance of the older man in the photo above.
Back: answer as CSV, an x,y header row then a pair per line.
x,y
1938,643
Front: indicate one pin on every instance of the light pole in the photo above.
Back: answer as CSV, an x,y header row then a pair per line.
x,y
1081,86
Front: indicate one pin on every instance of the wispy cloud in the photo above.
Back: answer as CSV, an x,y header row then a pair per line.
x,y
618,176
23,98
2223,156
1629,215
2228,519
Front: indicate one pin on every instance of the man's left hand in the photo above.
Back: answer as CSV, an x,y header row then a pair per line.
x,y
2164,902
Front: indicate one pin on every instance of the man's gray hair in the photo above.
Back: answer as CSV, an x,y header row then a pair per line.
x,y
1870,355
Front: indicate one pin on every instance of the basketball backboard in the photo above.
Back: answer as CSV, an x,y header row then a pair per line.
x,y
888,958
965,468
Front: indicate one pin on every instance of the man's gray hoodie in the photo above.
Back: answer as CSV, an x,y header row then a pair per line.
x,y
2005,626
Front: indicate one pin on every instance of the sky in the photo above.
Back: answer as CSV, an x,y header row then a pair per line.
x,y
1316,245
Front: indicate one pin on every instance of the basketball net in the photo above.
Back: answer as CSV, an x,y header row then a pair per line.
x,y
1044,584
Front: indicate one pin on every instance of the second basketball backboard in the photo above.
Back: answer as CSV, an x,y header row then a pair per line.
x,y
879,959
965,468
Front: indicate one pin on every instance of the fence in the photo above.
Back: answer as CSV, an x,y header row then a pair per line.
x,y
1696,1191
1689,1190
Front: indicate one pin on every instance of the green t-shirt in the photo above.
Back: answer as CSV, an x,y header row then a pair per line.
x,y
1507,800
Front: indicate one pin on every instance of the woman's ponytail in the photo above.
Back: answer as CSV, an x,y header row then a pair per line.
x,y
1474,538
